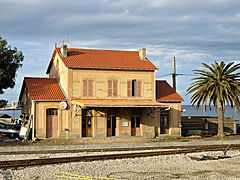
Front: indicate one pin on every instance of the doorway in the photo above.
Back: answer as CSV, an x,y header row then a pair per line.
x,y
135,126
164,122
111,126
86,123
52,123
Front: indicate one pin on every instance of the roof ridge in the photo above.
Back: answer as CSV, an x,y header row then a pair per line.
x,y
160,80
38,78
101,49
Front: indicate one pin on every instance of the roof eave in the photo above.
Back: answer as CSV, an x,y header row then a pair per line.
x,y
170,101
21,92
47,100
106,68
51,61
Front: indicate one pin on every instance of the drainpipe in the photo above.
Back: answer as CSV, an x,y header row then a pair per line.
x,y
33,120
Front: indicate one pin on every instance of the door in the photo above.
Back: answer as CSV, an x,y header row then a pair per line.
x,y
135,126
87,120
86,126
164,124
52,123
111,125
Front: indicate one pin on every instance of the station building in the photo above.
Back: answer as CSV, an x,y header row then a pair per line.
x,y
100,93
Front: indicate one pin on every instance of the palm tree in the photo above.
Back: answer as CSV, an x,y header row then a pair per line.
x,y
219,86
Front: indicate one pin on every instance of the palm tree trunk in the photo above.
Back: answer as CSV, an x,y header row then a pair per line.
x,y
220,121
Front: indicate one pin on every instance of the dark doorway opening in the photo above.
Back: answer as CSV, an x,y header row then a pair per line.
x,y
111,126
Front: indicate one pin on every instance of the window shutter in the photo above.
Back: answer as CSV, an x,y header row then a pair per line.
x,y
109,88
114,88
129,88
90,88
139,88
84,88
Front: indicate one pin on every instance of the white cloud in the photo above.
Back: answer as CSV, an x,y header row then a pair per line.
x,y
162,3
123,16
24,2
29,43
185,18
193,31
95,43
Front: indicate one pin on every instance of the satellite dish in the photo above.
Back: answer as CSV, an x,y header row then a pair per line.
x,y
63,105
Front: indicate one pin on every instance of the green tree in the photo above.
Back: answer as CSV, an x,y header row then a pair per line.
x,y
3,103
218,85
10,61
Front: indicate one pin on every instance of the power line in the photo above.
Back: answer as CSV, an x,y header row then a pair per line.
x,y
165,75
176,75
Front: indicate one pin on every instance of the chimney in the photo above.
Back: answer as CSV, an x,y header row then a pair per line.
x,y
142,53
64,50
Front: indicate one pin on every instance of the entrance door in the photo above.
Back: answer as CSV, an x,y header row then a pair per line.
x,y
86,126
111,126
87,123
135,126
164,124
52,123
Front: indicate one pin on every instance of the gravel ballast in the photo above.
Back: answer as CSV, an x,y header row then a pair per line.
x,y
159,167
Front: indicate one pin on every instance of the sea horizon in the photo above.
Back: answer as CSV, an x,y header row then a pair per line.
x,y
191,111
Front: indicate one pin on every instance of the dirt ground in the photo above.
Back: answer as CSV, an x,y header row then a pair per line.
x,y
6,141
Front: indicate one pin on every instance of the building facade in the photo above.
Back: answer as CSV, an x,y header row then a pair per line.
x,y
97,93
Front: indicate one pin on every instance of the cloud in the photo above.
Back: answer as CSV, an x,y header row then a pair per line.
x,y
120,17
89,43
29,43
193,31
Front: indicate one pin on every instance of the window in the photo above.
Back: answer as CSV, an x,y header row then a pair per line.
x,y
57,65
87,88
52,112
134,88
112,88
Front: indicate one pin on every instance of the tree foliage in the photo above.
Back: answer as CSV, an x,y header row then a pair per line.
x,y
218,85
3,103
10,61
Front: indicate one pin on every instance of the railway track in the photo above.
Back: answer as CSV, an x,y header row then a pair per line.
x,y
45,161
236,146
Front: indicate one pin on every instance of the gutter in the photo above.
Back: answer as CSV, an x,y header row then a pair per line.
x,y
106,68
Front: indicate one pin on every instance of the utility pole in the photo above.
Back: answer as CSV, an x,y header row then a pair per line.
x,y
174,74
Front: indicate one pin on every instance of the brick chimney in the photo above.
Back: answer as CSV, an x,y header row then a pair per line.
x,y
142,53
64,50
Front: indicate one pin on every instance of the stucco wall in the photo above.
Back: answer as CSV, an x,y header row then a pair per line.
x,y
25,102
100,85
60,72
174,118
40,119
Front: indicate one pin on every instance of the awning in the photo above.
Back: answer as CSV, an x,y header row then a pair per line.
x,y
118,103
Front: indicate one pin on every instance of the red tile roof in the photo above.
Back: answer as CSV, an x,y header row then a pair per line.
x,y
164,92
43,89
104,59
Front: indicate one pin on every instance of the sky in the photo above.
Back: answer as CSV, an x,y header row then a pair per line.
x,y
195,32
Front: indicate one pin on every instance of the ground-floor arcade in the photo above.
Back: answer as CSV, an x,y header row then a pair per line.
x,y
100,122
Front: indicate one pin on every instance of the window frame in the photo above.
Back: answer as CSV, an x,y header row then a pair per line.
x,y
134,88
112,88
87,87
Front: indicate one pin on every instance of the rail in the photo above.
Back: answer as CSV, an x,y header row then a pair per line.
x,y
45,161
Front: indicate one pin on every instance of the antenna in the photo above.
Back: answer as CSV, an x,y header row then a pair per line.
x,y
67,39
